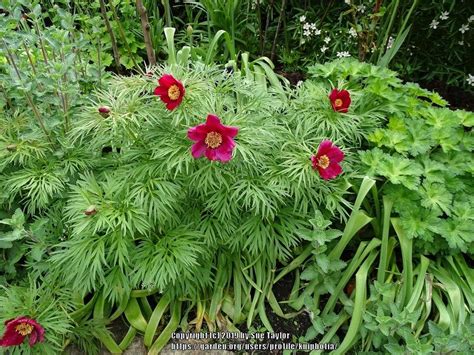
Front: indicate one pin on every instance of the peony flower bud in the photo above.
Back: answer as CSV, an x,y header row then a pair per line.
x,y
104,111
189,30
11,147
91,210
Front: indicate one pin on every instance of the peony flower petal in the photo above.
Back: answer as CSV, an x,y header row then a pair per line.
x,y
11,337
227,143
172,104
344,95
230,131
314,161
331,171
181,90
167,80
198,149
198,132
33,338
214,123
223,155
211,154
160,91
324,147
335,155
334,95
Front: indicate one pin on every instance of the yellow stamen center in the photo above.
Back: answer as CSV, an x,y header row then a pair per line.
x,y
323,161
338,103
24,329
213,140
174,92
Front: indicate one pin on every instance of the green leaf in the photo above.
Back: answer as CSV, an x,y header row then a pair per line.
x,y
436,197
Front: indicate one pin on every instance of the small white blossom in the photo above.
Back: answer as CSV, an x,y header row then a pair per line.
x,y
302,18
348,2
461,43
464,28
444,15
353,32
470,79
299,83
324,49
310,29
343,54
327,39
361,8
390,42
434,24
470,19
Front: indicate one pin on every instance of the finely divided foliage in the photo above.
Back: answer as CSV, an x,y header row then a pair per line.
x,y
162,215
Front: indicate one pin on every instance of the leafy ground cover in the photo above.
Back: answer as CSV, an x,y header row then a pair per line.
x,y
197,196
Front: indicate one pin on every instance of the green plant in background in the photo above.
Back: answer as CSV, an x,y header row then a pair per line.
x,y
112,27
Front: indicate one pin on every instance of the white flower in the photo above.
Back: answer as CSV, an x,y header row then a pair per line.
x,y
317,32
307,33
348,2
470,79
390,42
461,43
327,39
306,26
353,32
464,28
444,15
434,24
299,83
470,19
324,49
361,8
313,26
343,54
302,18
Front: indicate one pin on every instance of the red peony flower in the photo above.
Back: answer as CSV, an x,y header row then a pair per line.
x,y
213,139
327,160
340,100
170,90
17,329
